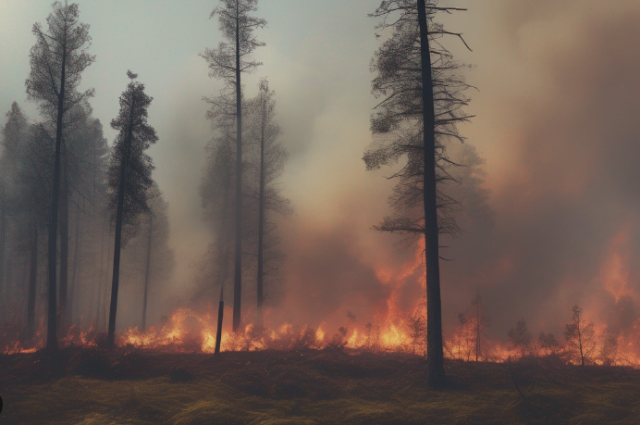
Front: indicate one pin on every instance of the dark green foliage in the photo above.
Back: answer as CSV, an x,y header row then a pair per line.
x,y
134,138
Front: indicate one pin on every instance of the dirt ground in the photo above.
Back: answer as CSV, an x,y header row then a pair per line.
x,y
132,386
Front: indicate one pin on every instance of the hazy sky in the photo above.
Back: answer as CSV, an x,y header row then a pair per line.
x,y
557,121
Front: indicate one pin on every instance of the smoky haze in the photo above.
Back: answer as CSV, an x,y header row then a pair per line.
x,y
556,121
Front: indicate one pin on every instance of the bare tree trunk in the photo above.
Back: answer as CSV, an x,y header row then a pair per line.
x,y
3,232
261,224
101,306
52,330
435,361
237,285
146,276
24,288
99,285
119,216
63,314
33,280
580,344
76,257
477,331
9,284
220,317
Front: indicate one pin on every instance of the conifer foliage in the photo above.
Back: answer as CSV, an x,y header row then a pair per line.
x,y
129,176
228,62
57,61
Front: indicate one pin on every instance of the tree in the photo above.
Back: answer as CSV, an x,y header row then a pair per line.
x,y
481,323
34,189
520,336
580,335
85,159
148,257
57,61
13,136
270,165
548,342
217,193
129,176
228,62
422,104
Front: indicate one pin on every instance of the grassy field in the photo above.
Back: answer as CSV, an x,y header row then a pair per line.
x,y
96,387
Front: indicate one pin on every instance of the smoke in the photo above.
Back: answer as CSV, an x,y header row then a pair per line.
x,y
551,223
566,196
560,136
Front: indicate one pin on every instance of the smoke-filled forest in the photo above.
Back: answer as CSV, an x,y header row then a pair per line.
x,y
281,212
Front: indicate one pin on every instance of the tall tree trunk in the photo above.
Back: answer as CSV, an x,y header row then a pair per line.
x,y
52,319
220,317
113,307
435,361
63,316
76,257
146,276
24,288
99,287
33,280
9,283
261,223
237,285
93,228
477,331
3,231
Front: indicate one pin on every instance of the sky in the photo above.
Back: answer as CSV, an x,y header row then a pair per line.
x,y
556,122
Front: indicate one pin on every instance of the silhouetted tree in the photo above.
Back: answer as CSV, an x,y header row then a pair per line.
x,y
129,176
228,62
57,61
422,105
148,259
14,133
269,166
480,325
217,193
86,160
580,335
520,337
33,188
548,342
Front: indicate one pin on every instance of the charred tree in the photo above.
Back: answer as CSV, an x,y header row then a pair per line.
x,y
435,357
146,275
228,62
129,176
63,293
270,161
14,133
580,335
57,60
33,283
421,107
73,290
220,317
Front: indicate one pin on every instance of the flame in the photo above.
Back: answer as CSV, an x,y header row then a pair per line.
x,y
392,328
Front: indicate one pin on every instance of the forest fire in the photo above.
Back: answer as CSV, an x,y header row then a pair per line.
x,y
187,330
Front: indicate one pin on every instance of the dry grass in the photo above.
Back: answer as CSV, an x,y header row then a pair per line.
x,y
95,387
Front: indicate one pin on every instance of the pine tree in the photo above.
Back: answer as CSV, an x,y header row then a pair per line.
x,y
228,62
57,61
14,133
422,104
129,177
270,161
